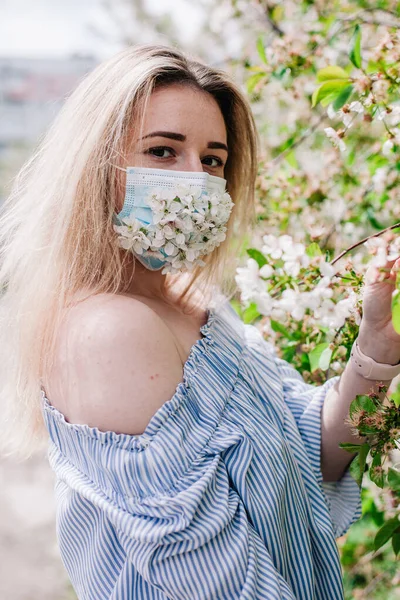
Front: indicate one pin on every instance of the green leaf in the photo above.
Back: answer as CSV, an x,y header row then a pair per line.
x,y
236,306
357,465
261,50
288,353
251,313
377,478
313,250
394,479
396,543
258,256
351,447
292,160
278,12
395,396
342,98
320,357
280,72
355,48
396,310
328,91
332,72
386,531
316,197
279,328
362,403
253,80
373,221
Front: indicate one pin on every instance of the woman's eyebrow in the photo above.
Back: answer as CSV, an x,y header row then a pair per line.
x,y
167,134
181,138
217,146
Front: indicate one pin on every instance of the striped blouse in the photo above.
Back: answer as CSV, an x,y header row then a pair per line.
x,y
220,498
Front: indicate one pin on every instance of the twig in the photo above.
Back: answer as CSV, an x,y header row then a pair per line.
x,y
365,560
386,11
374,582
274,26
363,242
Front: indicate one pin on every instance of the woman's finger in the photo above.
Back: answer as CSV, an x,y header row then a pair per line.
x,y
388,273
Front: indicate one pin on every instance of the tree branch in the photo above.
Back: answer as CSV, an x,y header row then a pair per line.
x,y
273,24
362,16
363,242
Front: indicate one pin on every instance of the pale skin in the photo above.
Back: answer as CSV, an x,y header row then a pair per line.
x,y
119,357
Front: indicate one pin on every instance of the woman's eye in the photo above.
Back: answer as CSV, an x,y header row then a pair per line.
x,y
159,151
213,161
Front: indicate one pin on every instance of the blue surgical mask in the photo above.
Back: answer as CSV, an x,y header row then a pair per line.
x,y
139,205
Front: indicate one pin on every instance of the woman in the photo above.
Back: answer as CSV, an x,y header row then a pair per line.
x,y
191,462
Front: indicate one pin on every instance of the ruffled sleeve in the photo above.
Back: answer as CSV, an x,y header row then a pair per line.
x,y
305,402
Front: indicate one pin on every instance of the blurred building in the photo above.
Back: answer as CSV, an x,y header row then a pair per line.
x,y
32,91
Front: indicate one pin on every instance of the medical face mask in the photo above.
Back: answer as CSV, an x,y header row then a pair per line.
x,y
170,219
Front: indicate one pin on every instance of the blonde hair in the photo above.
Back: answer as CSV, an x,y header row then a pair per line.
x,y
56,234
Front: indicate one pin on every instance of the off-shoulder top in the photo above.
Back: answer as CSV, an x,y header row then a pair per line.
x,y
220,498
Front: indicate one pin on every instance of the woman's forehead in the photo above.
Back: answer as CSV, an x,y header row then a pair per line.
x,y
186,110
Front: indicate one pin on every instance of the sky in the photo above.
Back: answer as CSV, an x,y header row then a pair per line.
x,y
42,28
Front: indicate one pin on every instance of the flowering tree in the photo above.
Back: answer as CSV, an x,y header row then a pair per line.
x,y
328,76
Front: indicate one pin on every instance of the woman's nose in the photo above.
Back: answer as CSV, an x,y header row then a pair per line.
x,y
192,162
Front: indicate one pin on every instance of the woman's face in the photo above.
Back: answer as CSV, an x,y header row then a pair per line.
x,y
184,130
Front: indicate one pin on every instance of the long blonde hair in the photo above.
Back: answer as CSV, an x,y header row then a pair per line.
x,y
56,234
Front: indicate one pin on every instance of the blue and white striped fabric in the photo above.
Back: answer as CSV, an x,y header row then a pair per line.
x,y
221,497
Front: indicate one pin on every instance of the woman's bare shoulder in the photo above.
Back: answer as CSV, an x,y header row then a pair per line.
x,y
115,364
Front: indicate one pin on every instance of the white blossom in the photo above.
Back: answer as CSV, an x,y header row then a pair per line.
x,y
387,148
327,270
248,280
264,303
334,315
290,302
377,246
317,303
345,114
331,112
379,179
266,271
336,140
293,254
356,107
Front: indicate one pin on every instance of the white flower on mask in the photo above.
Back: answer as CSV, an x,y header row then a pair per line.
x,y
132,236
186,225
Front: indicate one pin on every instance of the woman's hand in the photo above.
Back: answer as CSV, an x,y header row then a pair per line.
x,y
377,337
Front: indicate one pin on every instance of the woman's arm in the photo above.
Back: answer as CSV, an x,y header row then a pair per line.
x,y
334,430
